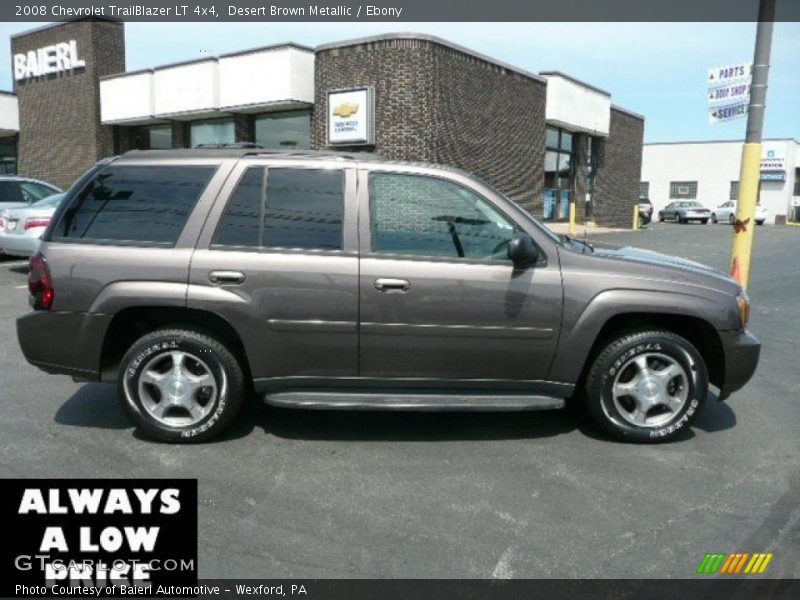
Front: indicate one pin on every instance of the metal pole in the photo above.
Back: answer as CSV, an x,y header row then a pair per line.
x,y
749,174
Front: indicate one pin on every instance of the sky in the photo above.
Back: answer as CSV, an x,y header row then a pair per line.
x,y
656,69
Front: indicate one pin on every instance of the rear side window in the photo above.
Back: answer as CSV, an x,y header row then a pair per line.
x,y
285,208
9,192
135,204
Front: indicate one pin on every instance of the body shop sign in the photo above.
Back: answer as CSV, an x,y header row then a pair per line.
x,y
351,117
98,537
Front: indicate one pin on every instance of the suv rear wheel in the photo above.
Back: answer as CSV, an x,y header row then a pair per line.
x,y
646,386
181,385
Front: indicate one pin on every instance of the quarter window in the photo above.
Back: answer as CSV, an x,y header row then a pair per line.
x,y
432,217
302,208
135,204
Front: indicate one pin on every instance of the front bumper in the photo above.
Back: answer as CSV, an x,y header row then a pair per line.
x,y
741,350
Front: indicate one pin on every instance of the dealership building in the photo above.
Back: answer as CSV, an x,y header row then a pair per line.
x,y
708,172
541,138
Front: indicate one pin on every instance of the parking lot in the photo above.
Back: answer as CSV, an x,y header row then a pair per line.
x,y
327,494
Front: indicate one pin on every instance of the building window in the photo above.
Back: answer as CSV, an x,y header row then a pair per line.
x,y
154,137
217,131
796,182
734,191
284,130
644,189
683,190
8,157
558,174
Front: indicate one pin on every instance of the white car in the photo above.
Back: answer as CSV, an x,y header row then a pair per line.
x,y
726,213
21,228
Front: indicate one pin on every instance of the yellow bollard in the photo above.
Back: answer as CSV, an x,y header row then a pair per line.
x,y
744,225
572,218
635,216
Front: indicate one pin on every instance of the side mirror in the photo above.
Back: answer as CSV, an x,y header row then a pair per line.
x,y
522,250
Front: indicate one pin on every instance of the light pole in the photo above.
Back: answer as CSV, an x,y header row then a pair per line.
x,y
750,170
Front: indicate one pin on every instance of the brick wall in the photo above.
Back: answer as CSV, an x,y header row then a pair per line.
x,y
60,131
618,177
437,104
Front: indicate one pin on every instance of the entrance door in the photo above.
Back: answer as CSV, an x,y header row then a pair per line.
x,y
439,297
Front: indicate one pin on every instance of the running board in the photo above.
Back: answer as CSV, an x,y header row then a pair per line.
x,y
411,401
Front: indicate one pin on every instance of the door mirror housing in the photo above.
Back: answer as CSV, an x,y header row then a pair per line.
x,y
522,250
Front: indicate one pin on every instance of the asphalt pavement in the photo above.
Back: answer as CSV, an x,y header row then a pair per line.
x,y
329,494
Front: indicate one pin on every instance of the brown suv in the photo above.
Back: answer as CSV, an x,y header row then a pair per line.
x,y
196,278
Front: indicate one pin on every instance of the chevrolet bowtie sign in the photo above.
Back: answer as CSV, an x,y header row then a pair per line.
x,y
351,117
57,58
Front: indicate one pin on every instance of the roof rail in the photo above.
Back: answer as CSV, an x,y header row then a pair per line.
x,y
241,145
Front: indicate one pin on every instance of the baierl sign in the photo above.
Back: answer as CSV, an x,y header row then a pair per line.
x,y
50,59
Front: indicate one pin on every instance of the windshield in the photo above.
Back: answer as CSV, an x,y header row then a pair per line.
x,y
49,202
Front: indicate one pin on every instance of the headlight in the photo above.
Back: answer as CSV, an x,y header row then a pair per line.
x,y
744,307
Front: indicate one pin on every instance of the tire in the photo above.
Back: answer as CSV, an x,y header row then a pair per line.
x,y
196,412
714,218
761,222
679,219
704,221
732,219
616,414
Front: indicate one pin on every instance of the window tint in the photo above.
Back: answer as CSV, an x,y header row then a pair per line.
x,y
304,209
239,224
137,204
432,217
9,192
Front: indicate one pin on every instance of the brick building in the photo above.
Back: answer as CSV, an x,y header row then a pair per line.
x,y
542,139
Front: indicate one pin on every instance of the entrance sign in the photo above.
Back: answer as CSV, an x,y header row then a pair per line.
x,y
49,59
351,117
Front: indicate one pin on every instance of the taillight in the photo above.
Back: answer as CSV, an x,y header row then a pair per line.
x,y
40,284
36,222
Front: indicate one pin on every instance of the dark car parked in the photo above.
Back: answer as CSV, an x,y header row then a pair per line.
x,y
196,278
685,211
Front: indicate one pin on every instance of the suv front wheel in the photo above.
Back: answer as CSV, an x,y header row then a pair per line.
x,y
181,385
646,386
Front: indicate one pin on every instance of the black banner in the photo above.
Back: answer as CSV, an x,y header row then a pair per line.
x,y
394,10
92,537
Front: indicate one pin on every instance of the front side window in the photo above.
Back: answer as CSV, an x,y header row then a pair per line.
x,y
10,192
425,216
285,208
135,204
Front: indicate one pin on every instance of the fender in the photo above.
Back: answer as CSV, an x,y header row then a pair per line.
x,y
579,334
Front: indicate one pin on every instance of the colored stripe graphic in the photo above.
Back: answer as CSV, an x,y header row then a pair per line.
x,y
733,563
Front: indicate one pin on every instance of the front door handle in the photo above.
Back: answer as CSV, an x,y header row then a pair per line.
x,y
392,285
226,277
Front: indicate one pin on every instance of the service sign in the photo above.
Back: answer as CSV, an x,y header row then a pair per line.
x,y
351,117
727,112
47,60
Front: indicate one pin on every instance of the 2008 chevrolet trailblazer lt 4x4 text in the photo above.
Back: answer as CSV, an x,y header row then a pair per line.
x,y
197,278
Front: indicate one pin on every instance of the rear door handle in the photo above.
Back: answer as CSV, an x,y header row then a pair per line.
x,y
226,277
392,285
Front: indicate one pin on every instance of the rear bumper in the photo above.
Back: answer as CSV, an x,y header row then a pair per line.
x,y
62,342
19,245
742,350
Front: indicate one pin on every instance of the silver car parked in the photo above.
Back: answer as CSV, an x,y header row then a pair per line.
x,y
22,228
17,192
